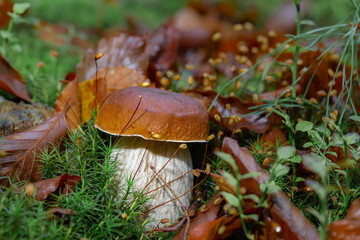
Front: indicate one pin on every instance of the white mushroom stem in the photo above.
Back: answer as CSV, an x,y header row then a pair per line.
x,y
137,155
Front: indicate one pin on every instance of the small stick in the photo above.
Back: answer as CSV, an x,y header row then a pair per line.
x,y
155,189
180,195
186,232
156,173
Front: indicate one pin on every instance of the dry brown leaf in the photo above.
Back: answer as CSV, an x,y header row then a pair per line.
x,y
5,7
68,102
11,80
349,227
246,164
63,184
59,34
203,221
163,46
20,162
254,123
119,50
59,212
291,220
272,138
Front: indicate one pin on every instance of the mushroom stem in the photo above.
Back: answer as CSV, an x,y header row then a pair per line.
x,y
135,154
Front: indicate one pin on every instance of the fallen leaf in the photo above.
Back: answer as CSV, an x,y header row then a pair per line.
x,y
20,163
205,217
109,80
60,212
276,93
273,138
68,102
5,7
59,34
11,80
349,227
163,46
291,220
63,184
254,123
119,50
246,164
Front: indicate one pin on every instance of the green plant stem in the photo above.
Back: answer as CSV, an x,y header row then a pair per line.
x,y
324,213
240,204
297,48
347,197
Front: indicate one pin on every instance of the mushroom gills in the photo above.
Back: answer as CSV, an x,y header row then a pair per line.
x,y
135,151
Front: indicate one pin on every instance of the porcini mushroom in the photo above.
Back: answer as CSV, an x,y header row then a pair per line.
x,y
153,123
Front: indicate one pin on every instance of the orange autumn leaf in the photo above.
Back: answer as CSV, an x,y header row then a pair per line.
x,y
109,80
68,102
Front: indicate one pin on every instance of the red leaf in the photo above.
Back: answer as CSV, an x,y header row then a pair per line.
x,y
65,183
22,148
11,80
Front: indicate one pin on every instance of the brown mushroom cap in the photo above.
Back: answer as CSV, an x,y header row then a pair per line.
x,y
162,115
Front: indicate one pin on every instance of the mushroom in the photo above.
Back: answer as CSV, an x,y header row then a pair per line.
x,y
154,126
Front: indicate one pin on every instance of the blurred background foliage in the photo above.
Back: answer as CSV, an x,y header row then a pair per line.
x,y
109,13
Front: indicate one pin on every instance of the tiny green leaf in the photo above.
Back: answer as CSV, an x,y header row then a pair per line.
x,y
324,130
295,159
315,135
20,8
229,178
269,187
228,158
315,164
285,152
337,140
308,144
252,197
231,199
254,217
250,175
304,126
351,138
355,118
280,170
299,179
